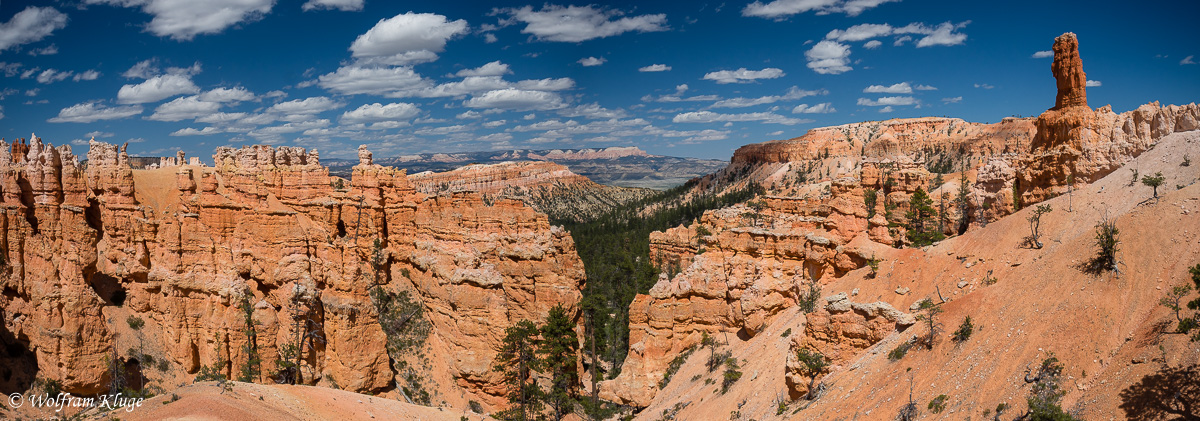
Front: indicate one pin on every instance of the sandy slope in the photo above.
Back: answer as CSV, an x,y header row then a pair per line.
x,y
1107,329
246,401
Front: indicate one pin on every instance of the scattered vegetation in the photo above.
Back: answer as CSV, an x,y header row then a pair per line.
x,y
135,323
1107,240
900,351
674,366
731,375
1154,181
929,317
558,350
922,226
938,404
873,264
1187,161
252,370
406,328
808,300
1016,197
615,250
812,364
1046,394
1035,223
964,331
990,280
786,333
963,202
517,361
1174,301
909,411
550,350
870,199
217,370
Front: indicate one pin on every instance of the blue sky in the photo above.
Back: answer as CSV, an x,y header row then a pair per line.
x,y
674,78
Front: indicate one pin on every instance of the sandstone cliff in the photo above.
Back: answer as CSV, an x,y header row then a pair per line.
x,y
545,186
181,247
740,269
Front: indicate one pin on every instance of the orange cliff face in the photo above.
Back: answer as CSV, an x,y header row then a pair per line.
x,y
181,247
1073,140
892,138
741,268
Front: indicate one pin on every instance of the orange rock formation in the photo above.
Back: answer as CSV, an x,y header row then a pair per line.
x,y
181,247
1068,73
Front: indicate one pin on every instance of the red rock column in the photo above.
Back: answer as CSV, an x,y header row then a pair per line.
x,y
1068,72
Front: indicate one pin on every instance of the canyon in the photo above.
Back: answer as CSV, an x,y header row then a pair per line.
x,y
821,262
87,247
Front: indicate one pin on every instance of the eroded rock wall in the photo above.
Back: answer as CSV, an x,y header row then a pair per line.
x,y
181,247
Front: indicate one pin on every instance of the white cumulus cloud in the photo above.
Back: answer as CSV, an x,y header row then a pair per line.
x,y
156,89
792,94
743,75
1043,54
591,61
371,113
780,9
899,88
407,38
51,76
829,57
189,107
822,108
93,111
351,80
313,105
235,94
582,23
516,99
87,75
887,101
655,68
1092,83
711,117
495,68
188,131
343,5
182,20
30,25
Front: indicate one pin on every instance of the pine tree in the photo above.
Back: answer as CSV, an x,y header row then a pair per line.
x,y
517,361
922,226
252,370
963,203
558,350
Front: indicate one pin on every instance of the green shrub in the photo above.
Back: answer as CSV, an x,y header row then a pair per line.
x,y
808,300
964,330
938,404
731,375
900,351
674,366
135,322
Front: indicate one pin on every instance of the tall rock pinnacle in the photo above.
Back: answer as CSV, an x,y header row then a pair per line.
x,y
1068,71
